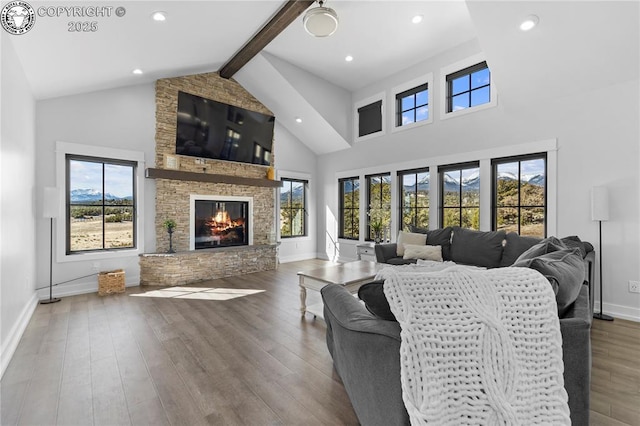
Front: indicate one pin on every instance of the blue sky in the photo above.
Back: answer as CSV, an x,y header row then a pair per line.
x,y
88,175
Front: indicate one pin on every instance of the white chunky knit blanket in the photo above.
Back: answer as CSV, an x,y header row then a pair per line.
x,y
479,347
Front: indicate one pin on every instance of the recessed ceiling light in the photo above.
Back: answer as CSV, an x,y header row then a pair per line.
x,y
529,22
137,71
417,19
159,16
298,120
348,58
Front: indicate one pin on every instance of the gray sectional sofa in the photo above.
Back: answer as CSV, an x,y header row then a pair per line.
x,y
365,343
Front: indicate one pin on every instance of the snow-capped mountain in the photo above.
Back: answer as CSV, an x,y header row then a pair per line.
x,y
537,179
88,195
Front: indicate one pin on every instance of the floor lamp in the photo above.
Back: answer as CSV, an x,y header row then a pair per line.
x,y
600,212
50,211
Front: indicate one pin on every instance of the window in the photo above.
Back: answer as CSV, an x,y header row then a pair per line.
x,y
370,119
519,194
469,87
379,202
414,198
349,208
100,204
412,105
460,195
293,204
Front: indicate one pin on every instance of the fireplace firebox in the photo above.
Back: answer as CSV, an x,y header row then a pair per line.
x,y
221,223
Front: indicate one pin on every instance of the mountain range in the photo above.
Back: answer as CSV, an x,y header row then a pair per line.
x,y
89,195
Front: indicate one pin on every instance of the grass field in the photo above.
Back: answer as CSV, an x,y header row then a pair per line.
x,y
86,234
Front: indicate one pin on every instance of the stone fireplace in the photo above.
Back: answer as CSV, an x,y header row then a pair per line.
x,y
220,221
227,247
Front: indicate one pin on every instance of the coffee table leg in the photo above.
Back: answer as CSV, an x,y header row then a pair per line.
x,y
303,299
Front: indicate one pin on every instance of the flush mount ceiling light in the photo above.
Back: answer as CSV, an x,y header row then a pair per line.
x,y
529,22
417,19
159,16
320,21
348,58
137,71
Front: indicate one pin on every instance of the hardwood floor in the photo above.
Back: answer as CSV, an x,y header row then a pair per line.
x,y
126,359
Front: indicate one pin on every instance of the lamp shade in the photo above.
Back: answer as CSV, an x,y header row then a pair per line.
x,y
599,203
50,201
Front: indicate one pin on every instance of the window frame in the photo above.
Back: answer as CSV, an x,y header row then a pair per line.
x,y
368,179
408,86
341,208
441,192
61,151
356,117
495,162
305,213
103,206
456,68
400,176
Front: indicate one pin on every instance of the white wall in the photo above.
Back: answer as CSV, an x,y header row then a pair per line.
x,y
597,135
295,160
18,213
122,118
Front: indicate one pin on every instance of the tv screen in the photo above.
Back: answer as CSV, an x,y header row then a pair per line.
x,y
211,129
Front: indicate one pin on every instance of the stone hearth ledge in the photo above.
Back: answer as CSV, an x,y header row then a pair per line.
x,y
186,267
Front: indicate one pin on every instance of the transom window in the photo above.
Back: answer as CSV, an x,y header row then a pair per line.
x,y
293,208
414,198
100,204
460,195
469,87
379,202
412,105
370,119
519,194
349,208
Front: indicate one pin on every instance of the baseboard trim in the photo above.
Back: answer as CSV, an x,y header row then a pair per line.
x,y
619,311
65,290
297,257
9,347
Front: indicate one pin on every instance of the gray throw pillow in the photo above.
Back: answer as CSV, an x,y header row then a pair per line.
x,y
548,245
515,246
372,294
565,271
476,247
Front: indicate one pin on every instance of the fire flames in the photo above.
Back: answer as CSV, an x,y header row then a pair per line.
x,y
221,223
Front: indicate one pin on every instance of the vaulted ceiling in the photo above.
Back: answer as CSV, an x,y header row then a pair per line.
x,y
578,45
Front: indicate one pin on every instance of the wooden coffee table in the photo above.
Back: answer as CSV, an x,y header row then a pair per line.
x,y
350,274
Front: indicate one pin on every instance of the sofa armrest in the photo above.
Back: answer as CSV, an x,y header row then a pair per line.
x,y
366,356
384,252
575,327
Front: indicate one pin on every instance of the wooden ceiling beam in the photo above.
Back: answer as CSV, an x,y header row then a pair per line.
x,y
288,13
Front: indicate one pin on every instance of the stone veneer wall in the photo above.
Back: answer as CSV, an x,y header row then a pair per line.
x,y
172,196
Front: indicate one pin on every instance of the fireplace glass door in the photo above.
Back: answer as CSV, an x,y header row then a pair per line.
x,y
221,223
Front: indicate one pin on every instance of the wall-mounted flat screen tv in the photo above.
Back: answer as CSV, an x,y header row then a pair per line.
x,y
210,129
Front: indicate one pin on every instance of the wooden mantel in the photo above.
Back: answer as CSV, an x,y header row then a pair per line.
x,y
212,178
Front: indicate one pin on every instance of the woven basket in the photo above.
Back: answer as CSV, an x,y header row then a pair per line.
x,y
111,282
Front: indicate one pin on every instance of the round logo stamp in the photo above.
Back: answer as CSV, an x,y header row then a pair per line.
x,y
17,17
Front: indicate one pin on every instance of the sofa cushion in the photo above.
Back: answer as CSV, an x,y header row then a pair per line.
x,y
565,271
437,237
372,294
548,245
409,238
476,247
423,252
516,245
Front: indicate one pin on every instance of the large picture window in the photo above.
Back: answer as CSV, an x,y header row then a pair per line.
x,y
379,202
100,204
293,207
460,195
414,198
349,208
519,194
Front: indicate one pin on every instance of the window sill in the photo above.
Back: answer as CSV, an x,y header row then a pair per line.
x,y
102,255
